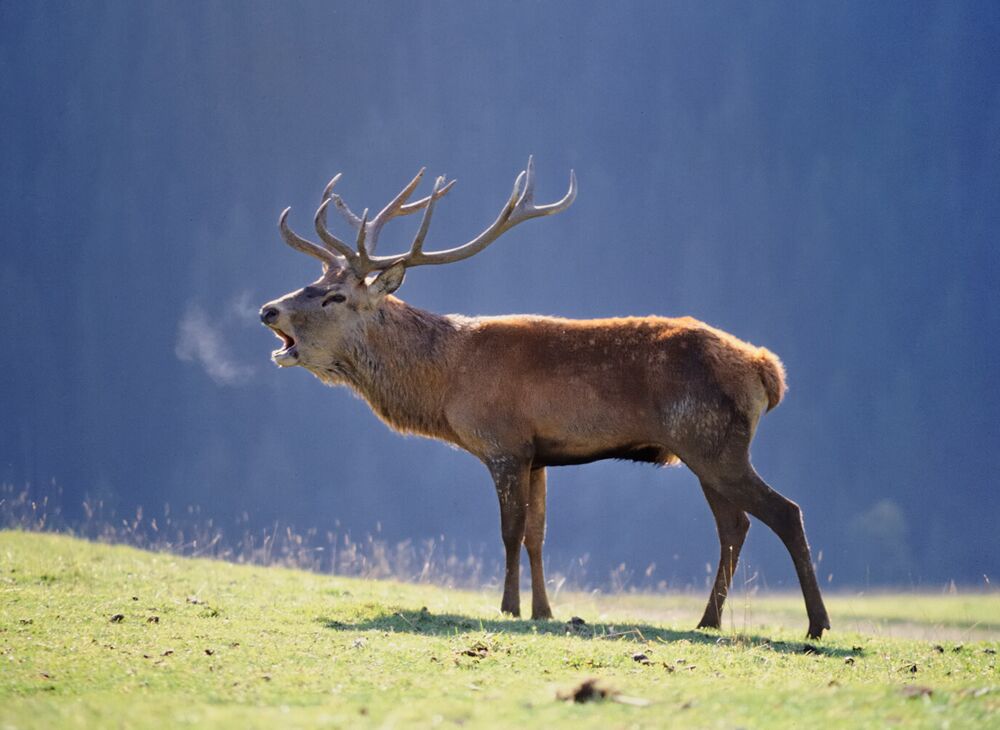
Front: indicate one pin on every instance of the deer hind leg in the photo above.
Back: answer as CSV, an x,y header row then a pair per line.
x,y
732,525
534,537
784,517
512,479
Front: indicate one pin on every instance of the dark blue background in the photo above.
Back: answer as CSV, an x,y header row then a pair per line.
x,y
819,178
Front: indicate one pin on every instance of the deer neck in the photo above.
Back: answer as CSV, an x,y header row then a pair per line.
x,y
400,364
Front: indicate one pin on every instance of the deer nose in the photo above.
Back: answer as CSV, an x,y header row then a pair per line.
x,y
268,315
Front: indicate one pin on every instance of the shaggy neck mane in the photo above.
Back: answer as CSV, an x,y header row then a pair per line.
x,y
400,366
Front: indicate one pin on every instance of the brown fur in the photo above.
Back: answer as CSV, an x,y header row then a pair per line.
x,y
772,374
568,391
523,393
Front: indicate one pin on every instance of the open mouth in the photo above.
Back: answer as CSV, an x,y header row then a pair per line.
x,y
287,353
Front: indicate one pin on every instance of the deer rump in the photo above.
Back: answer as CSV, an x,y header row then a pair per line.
x,y
649,389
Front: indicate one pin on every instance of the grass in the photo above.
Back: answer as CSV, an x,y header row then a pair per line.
x,y
99,636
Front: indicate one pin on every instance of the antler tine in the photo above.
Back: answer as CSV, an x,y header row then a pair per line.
x,y
391,210
333,244
566,201
329,186
393,206
528,195
399,207
349,215
342,208
308,247
526,208
418,241
361,262
420,204
515,194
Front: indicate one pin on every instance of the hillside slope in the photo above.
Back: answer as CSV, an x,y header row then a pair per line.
x,y
99,636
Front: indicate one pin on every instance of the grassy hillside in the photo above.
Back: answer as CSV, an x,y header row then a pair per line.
x,y
98,636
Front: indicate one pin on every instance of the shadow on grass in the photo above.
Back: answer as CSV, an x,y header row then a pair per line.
x,y
447,624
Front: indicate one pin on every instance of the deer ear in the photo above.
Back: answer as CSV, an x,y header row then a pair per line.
x,y
388,281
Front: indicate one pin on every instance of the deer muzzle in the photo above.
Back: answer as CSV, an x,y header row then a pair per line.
x,y
288,354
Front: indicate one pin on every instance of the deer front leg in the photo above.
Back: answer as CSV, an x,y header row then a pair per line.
x,y
512,480
534,537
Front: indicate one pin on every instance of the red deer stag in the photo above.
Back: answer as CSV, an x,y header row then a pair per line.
x,y
522,393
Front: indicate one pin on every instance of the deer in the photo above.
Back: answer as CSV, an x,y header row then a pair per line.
x,y
522,393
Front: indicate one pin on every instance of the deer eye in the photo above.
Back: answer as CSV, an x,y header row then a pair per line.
x,y
338,298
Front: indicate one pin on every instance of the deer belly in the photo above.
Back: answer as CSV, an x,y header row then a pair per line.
x,y
590,422
557,452
583,440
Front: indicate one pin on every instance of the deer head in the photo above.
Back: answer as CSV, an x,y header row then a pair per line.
x,y
318,323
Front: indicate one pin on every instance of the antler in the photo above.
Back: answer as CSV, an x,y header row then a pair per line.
x,y
396,207
308,247
519,207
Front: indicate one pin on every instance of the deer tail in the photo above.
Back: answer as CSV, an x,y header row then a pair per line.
x,y
772,375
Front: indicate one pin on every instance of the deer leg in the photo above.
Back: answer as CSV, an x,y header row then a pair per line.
x,y
512,480
534,537
784,517
732,525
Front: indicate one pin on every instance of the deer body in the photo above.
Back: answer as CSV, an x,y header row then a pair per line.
x,y
523,393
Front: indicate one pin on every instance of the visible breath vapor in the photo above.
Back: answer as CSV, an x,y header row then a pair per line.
x,y
201,341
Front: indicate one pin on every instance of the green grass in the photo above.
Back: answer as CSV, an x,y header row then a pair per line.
x,y
246,646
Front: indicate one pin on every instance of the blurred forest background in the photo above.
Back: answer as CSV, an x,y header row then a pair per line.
x,y
818,178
